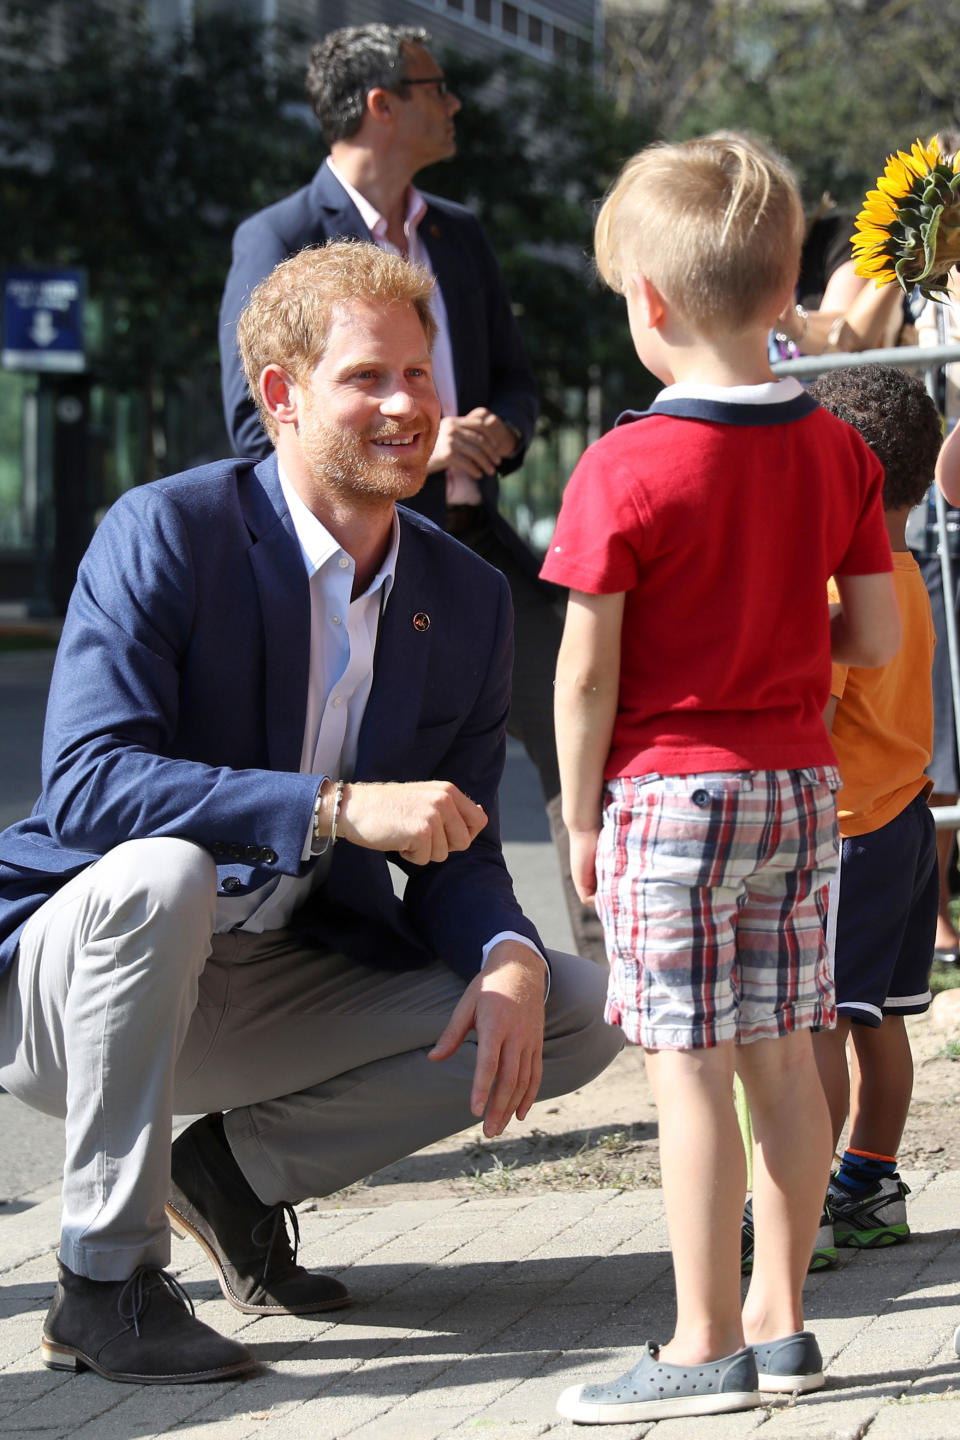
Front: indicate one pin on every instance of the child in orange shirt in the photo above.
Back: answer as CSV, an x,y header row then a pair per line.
x,y
886,915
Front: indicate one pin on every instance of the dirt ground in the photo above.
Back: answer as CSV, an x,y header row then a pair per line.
x,y
605,1135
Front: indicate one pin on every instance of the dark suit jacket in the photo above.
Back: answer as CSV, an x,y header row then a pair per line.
x,y
178,701
490,362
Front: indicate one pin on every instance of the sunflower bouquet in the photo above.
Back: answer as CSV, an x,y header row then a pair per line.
x,y
909,227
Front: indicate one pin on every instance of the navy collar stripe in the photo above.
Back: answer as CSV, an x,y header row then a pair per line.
x,y
727,412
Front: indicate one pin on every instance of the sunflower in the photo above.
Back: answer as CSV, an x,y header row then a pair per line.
x,y
909,227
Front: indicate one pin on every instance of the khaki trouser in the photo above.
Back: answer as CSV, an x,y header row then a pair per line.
x,y
123,1008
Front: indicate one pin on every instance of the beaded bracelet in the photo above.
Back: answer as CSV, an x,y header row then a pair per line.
x,y
337,802
317,806
317,837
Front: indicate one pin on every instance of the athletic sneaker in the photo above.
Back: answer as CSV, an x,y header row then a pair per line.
x,y
865,1218
824,1249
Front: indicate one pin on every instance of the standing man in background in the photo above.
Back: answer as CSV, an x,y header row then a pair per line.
x,y
386,112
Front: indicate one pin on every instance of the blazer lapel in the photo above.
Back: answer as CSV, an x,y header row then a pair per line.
x,y
340,217
284,593
400,668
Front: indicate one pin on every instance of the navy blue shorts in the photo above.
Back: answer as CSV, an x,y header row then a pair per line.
x,y
887,918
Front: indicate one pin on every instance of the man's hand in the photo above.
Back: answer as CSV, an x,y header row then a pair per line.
x,y
475,443
423,819
504,1005
583,862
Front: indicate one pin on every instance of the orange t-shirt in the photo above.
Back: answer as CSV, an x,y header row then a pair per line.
x,y
883,727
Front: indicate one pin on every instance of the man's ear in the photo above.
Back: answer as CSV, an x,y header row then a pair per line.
x,y
379,104
278,391
650,301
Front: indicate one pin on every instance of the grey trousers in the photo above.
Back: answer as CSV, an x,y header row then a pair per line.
x,y
123,1008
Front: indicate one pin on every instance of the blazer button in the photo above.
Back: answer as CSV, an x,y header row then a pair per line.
x,y
269,857
231,885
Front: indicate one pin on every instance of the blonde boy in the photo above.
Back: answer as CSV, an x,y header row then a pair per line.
x,y
698,777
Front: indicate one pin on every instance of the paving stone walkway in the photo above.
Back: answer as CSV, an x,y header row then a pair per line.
x,y
472,1314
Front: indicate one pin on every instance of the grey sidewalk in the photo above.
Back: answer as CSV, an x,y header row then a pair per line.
x,y
470,1317
471,1314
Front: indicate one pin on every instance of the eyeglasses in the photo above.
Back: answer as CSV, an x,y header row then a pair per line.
x,y
439,80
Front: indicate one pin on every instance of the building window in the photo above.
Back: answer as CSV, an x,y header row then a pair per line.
x,y
584,52
483,9
510,18
560,39
535,30
455,5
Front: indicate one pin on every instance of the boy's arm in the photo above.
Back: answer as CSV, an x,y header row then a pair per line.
x,y
865,627
585,707
948,467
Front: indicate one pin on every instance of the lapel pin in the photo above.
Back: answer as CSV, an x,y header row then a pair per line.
x,y
421,621
435,231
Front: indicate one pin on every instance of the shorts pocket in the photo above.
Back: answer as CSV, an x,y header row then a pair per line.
x,y
814,776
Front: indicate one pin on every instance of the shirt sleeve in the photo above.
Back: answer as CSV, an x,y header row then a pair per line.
x,y
597,545
868,552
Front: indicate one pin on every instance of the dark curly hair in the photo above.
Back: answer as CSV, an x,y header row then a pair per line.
x,y
348,63
897,418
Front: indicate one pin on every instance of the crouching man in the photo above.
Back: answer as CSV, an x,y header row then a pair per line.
x,y
271,681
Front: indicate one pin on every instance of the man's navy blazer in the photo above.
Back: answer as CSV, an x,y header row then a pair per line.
x,y
178,702
489,358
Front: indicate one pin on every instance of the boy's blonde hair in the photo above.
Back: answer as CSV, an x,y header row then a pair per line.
x,y
716,224
289,314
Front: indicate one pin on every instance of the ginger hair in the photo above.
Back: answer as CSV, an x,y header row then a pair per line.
x,y
289,315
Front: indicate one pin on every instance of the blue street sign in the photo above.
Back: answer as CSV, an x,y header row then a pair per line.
x,y
43,320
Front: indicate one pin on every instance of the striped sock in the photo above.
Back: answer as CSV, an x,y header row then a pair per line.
x,y
861,1169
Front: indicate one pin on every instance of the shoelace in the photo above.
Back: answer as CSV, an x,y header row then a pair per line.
x,y
272,1222
132,1299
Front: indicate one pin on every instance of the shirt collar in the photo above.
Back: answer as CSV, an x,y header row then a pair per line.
x,y
771,392
370,215
317,545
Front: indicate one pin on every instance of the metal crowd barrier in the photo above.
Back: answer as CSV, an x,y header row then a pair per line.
x,y
928,358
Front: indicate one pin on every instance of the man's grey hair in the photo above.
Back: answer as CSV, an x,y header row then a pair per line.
x,y
346,64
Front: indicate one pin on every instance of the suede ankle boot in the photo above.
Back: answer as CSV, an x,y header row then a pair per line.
x,y
141,1331
247,1241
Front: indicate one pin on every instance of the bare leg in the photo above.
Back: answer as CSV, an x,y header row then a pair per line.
x,y
791,1168
830,1053
882,1086
946,840
704,1180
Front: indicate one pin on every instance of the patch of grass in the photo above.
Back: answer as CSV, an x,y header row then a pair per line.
x,y
949,1051
944,976
614,1161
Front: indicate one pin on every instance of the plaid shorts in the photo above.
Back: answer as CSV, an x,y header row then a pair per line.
x,y
712,890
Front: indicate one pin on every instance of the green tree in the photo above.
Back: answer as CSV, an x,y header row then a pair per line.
x,y
136,161
537,150
835,86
